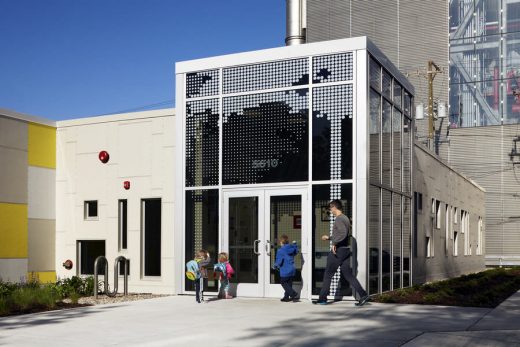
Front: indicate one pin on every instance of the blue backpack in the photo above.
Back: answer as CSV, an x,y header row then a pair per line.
x,y
220,267
192,270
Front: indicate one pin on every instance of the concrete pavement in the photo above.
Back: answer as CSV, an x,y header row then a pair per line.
x,y
499,327
179,321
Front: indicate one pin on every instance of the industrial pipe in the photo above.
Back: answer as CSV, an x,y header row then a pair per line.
x,y
295,22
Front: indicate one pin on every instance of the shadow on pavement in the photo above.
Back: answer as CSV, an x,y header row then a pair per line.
x,y
371,325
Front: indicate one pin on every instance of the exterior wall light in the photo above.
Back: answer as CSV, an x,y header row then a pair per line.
x,y
104,157
126,185
68,264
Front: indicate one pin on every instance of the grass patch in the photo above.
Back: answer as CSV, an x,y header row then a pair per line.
x,y
483,289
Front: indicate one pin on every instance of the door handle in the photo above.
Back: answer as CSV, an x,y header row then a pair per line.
x,y
268,247
255,247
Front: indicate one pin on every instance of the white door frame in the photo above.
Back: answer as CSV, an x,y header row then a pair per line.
x,y
263,288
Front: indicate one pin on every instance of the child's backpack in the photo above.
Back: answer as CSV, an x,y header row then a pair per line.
x,y
220,268
192,270
229,270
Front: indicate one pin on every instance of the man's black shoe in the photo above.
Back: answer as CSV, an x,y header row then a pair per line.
x,y
320,302
285,299
363,300
295,298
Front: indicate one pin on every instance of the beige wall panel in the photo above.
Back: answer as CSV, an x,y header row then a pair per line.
x,y
170,176
92,139
13,270
169,132
134,149
13,175
13,133
64,204
42,193
90,173
42,245
158,163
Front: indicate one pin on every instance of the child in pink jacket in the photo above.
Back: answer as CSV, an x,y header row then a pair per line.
x,y
225,271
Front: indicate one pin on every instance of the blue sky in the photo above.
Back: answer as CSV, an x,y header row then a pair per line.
x,y
64,59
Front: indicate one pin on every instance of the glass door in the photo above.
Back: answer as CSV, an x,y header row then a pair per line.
x,y
285,215
253,222
243,242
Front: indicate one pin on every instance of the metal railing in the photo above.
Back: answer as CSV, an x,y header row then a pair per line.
x,y
119,259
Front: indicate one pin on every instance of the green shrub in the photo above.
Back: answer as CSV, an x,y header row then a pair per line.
x,y
75,284
4,306
74,297
47,296
24,298
88,286
6,288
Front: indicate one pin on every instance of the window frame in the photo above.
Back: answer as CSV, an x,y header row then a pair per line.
x,y
122,224
86,210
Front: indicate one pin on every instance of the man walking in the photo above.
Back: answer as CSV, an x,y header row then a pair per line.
x,y
339,255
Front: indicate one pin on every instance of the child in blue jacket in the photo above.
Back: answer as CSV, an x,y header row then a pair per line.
x,y
285,263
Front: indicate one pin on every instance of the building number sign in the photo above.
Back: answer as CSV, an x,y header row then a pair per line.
x,y
265,163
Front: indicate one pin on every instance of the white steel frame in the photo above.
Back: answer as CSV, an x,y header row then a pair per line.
x,y
359,181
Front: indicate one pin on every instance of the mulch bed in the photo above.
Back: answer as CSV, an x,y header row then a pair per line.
x,y
484,289
37,309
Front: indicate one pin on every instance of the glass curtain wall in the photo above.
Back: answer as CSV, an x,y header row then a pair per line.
x,y
389,200
322,222
484,62
201,232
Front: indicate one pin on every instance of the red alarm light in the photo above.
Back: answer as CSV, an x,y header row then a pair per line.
x,y
68,264
104,157
126,185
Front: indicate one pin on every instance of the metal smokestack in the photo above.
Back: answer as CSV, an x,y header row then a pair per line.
x,y
295,22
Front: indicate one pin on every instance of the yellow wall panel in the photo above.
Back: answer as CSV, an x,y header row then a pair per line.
x,y
42,146
42,276
13,231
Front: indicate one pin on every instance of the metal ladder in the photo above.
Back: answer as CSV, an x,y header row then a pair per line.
x,y
119,259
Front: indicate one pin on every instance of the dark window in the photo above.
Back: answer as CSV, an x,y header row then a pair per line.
x,y
88,251
397,149
265,138
374,238
386,144
415,224
396,241
91,209
374,126
387,85
151,230
322,221
386,239
407,245
418,201
202,218
407,155
332,133
123,224
375,75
